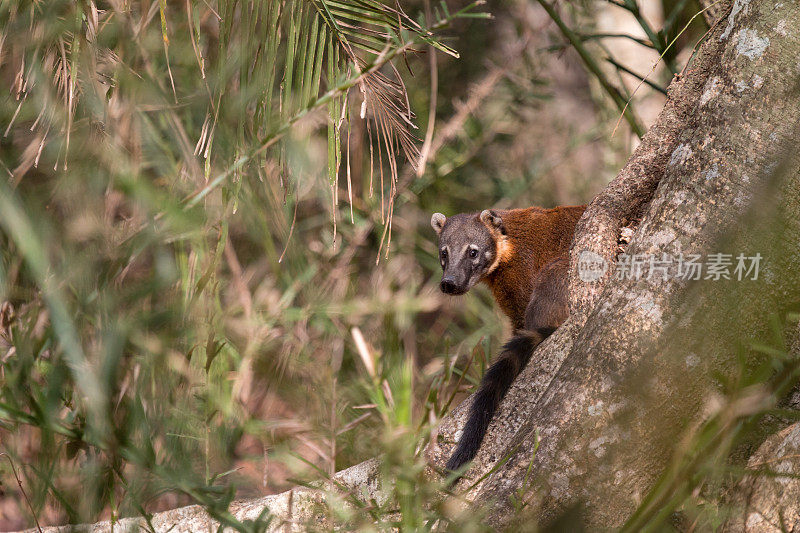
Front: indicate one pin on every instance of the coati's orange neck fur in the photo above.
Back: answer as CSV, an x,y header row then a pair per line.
x,y
534,237
503,252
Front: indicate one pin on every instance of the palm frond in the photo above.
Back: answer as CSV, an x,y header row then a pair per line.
x,y
266,65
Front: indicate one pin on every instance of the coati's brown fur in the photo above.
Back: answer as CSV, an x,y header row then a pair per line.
x,y
534,237
523,256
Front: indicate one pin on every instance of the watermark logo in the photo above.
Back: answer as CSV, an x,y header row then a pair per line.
x,y
713,267
591,266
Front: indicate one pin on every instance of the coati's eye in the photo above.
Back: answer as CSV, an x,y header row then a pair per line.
x,y
444,254
473,253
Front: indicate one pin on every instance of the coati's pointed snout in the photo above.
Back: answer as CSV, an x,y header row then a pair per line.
x,y
448,286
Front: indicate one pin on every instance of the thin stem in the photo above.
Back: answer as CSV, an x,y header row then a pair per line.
x,y
638,40
22,490
655,38
426,145
625,69
594,68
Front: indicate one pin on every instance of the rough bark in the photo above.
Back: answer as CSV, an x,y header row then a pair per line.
x,y
769,497
713,11
607,396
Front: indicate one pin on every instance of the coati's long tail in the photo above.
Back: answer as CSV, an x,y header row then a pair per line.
x,y
494,386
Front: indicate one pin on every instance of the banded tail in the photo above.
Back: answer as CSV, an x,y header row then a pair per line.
x,y
493,388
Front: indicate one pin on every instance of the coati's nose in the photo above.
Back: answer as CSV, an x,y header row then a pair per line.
x,y
448,286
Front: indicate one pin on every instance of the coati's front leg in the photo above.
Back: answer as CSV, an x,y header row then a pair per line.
x,y
547,310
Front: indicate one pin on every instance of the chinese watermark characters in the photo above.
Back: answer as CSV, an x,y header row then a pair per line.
x,y
713,267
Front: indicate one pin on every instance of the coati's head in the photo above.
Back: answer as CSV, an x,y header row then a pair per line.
x,y
469,245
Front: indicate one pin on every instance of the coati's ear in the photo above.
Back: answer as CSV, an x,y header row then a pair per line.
x,y
493,222
437,222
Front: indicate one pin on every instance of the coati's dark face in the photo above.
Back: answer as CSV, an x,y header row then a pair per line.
x,y
467,248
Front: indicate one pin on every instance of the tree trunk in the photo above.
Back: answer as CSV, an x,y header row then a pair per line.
x,y
598,413
767,500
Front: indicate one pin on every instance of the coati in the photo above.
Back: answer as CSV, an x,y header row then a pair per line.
x,y
523,256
